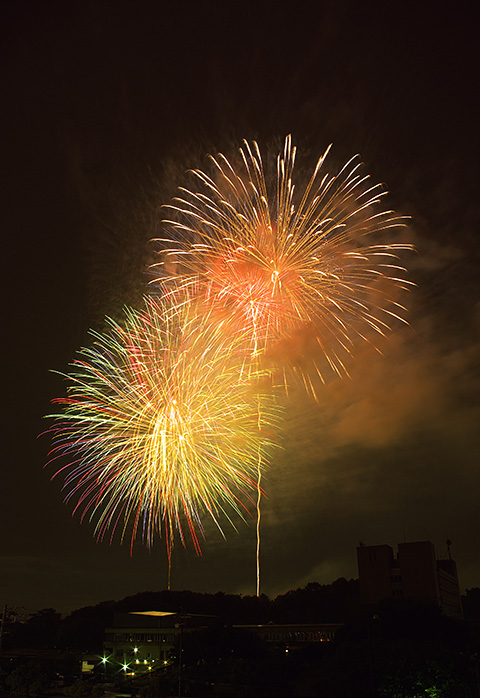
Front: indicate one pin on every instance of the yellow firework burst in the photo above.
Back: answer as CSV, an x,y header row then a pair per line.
x,y
160,426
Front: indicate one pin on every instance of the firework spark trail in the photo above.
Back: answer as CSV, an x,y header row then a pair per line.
x,y
277,263
159,426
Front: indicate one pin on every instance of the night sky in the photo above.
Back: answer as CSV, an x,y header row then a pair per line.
x,y
106,106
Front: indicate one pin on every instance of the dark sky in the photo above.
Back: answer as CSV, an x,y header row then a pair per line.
x,y
106,105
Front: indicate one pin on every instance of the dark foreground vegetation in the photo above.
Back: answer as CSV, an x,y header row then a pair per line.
x,y
397,649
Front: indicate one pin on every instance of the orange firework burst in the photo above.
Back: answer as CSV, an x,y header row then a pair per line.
x,y
281,263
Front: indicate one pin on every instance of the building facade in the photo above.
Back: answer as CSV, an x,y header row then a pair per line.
x,y
293,635
414,573
141,641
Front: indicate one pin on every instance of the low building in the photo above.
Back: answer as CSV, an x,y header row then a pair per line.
x,y
414,573
142,641
293,634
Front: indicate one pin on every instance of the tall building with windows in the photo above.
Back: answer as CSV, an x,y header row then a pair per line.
x,y
414,573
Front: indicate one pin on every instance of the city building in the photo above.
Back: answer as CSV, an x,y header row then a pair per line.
x,y
414,573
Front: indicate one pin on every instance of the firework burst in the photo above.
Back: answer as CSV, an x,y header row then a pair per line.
x,y
159,426
280,263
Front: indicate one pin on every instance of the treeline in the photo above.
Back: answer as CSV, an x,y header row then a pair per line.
x,y
395,649
338,602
